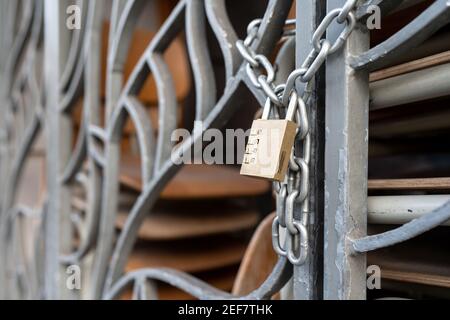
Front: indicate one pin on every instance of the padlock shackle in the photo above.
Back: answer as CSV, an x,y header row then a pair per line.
x,y
266,110
292,107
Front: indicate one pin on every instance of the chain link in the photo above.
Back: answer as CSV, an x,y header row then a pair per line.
x,y
294,190
259,69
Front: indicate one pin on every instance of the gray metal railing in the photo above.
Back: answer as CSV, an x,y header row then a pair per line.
x,y
46,67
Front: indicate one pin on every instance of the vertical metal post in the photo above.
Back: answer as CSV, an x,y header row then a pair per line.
x,y
4,28
307,278
92,80
346,121
57,222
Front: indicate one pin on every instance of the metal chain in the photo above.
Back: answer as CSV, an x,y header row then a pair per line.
x,y
294,190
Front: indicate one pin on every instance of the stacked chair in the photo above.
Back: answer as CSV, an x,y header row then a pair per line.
x,y
409,159
204,218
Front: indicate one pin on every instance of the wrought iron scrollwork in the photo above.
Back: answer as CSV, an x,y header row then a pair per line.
x,y
413,34
33,249
90,168
93,162
157,167
21,121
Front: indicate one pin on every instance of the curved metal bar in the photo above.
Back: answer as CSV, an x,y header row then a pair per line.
x,y
121,39
75,257
38,265
22,122
281,273
82,78
79,49
92,114
19,161
180,280
97,132
285,61
269,33
118,7
167,108
405,232
271,28
21,39
432,19
109,205
26,75
225,34
225,107
205,84
125,15
9,10
86,226
97,156
78,155
113,136
32,275
144,290
77,43
98,136
167,103
16,262
74,89
150,194
23,77
145,135
385,6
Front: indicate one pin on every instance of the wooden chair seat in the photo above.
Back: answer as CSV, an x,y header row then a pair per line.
x,y
178,224
259,259
410,184
188,256
197,181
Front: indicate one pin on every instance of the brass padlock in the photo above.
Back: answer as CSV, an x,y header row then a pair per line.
x,y
270,145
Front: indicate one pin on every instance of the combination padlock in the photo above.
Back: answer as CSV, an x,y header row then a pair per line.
x,y
270,144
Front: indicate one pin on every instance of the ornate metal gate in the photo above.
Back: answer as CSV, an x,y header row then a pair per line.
x,y
46,68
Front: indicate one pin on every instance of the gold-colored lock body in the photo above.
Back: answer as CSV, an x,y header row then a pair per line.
x,y
269,148
271,142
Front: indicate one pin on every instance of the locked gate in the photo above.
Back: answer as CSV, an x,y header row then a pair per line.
x,y
46,67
